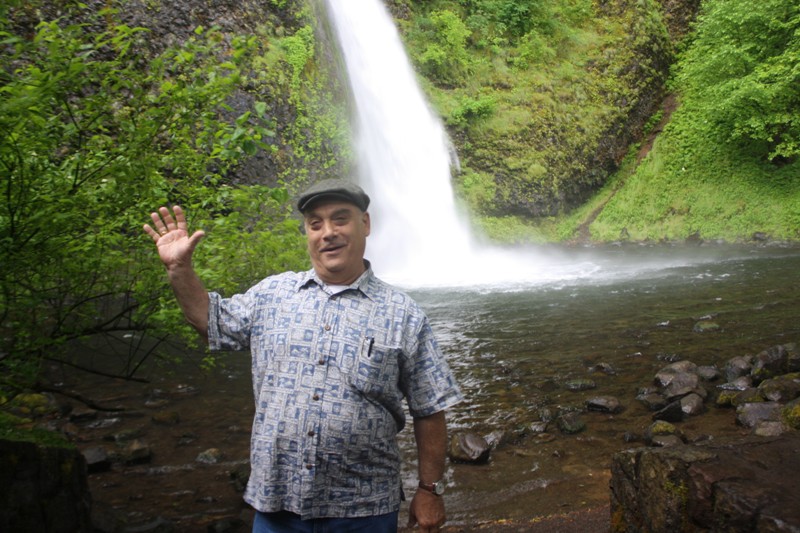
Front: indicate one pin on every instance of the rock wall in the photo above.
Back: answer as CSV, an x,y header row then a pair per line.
x,y
734,486
43,489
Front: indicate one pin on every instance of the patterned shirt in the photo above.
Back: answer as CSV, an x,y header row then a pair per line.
x,y
330,372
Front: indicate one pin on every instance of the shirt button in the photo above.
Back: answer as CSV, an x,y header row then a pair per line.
x,y
315,397
309,466
321,361
327,327
311,433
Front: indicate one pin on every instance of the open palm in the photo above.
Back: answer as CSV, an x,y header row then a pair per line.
x,y
171,235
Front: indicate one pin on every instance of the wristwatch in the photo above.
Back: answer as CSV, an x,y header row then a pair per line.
x,y
437,487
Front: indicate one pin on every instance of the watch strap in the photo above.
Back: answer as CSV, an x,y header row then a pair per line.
x,y
436,487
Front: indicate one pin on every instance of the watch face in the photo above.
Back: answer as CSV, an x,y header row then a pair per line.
x,y
438,488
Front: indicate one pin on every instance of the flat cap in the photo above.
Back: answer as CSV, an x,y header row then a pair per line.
x,y
333,189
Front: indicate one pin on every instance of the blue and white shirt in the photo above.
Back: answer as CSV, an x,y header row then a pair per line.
x,y
330,372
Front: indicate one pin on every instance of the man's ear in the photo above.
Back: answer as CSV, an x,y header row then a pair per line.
x,y
366,220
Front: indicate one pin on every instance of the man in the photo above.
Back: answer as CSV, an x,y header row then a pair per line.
x,y
334,352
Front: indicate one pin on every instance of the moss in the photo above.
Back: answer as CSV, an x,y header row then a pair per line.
x,y
19,429
791,414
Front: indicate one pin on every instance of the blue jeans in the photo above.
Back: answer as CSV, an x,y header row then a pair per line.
x,y
286,522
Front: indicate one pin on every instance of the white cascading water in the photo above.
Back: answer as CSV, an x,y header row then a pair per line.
x,y
418,237
402,151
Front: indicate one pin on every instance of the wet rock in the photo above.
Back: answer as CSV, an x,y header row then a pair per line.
x,y
664,441
631,436
660,429
653,401
770,363
737,367
33,404
790,414
769,428
104,423
137,452
683,384
469,448
496,438
750,414
97,459
538,427
604,368
673,412
737,384
186,438
735,485
780,389
746,396
692,404
792,358
82,414
725,398
669,373
166,418
546,414
124,436
239,477
210,456
708,373
156,403
570,423
706,326
604,404
577,385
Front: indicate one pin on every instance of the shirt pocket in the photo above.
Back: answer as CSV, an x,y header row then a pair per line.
x,y
376,370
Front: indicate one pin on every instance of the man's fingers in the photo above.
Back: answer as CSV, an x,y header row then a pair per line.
x,y
180,218
150,231
169,222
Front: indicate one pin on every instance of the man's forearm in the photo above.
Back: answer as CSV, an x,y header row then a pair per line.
x,y
431,436
192,297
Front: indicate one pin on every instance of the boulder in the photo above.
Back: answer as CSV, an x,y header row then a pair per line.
x,y
43,488
770,363
738,485
604,404
469,448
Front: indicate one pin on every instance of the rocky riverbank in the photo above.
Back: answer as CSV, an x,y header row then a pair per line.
x,y
760,393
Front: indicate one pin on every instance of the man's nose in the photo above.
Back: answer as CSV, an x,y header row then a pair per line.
x,y
328,230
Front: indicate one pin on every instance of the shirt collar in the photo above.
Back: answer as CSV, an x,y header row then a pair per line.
x,y
360,284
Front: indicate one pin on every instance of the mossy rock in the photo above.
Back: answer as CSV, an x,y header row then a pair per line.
x,y
791,414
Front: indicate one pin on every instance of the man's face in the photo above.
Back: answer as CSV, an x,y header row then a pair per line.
x,y
337,236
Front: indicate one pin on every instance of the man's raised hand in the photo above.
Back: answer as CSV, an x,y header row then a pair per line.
x,y
175,245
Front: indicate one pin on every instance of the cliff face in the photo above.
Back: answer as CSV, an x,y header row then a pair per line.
x,y
580,122
553,139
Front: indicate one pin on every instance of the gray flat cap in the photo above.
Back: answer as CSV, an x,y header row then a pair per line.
x,y
333,189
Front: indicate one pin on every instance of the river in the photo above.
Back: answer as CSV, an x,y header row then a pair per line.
x,y
512,348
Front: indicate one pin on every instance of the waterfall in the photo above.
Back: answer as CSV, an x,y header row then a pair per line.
x,y
418,237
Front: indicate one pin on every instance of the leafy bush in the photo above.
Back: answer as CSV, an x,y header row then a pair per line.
x,y
95,136
743,63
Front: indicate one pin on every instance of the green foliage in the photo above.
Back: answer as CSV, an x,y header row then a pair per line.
x,y
701,177
444,55
96,136
471,110
549,81
257,224
743,64
299,50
